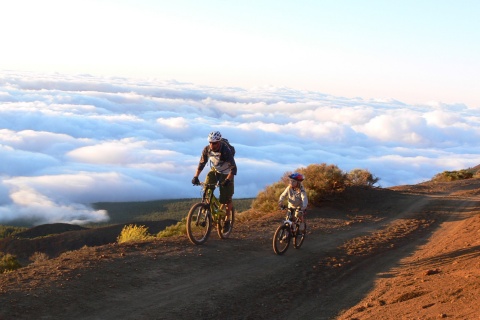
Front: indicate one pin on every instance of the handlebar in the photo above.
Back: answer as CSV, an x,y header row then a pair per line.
x,y
283,207
211,185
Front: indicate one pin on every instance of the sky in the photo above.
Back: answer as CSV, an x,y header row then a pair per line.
x,y
113,100
415,51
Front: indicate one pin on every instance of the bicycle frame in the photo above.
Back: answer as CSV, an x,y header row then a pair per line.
x,y
215,206
290,218
289,229
208,214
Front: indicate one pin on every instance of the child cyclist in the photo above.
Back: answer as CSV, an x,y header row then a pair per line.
x,y
296,196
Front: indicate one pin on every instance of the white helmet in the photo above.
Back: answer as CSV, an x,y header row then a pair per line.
x,y
214,136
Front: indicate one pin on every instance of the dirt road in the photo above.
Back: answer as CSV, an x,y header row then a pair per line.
x,y
353,244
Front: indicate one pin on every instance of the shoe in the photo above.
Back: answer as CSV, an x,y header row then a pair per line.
x,y
226,226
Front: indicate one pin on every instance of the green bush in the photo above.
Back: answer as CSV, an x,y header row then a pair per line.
x,y
6,231
447,176
8,263
132,233
175,230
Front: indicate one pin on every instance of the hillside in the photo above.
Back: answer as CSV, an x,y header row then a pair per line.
x,y
408,252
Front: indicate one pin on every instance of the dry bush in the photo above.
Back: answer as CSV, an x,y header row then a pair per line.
x,y
39,257
321,182
267,200
361,177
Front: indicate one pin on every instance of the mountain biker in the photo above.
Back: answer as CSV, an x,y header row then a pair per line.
x,y
296,195
223,169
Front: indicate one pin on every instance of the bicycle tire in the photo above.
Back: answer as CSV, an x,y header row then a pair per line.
x,y
281,239
224,234
299,236
199,223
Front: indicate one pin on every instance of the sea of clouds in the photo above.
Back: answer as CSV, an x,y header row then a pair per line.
x,y
69,141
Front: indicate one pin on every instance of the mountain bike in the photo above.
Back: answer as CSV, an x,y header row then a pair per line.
x,y
291,228
203,216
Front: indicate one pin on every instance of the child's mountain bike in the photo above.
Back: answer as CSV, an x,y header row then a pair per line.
x,y
291,228
203,216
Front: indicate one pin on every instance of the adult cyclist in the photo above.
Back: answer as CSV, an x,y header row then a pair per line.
x,y
223,169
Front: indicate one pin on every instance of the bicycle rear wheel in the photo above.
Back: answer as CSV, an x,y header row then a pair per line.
x,y
281,239
299,236
199,222
224,229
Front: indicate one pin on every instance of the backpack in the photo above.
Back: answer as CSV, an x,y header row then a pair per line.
x,y
232,148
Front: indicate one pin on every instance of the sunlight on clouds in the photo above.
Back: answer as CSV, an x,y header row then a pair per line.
x,y
29,204
111,152
68,141
442,118
400,127
173,123
347,116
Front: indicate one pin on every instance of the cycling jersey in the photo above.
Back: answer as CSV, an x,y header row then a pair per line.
x,y
221,161
297,197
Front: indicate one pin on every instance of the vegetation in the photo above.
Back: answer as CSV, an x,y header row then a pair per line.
x,y
175,230
133,233
6,231
322,181
38,257
8,263
360,177
447,176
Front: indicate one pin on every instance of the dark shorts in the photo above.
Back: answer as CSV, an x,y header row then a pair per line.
x,y
226,193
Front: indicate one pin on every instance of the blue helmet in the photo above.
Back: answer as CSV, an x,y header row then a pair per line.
x,y
297,177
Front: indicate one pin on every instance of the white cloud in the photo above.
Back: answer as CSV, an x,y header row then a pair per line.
x,y
69,141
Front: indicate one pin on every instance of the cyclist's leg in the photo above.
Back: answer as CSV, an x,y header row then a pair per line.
x,y
211,178
226,195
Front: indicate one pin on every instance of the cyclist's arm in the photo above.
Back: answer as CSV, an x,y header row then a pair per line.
x,y
203,161
283,196
304,199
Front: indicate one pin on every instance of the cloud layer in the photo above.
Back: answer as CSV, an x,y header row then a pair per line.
x,y
68,141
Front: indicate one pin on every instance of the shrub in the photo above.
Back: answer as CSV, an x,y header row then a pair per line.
x,y
132,233
447,176
6,231
175,230
360,177
38,257
8,263
267,200
322,180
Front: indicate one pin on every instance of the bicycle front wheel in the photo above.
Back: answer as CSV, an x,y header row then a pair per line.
x,y
225,227
299,235
281,239
199,222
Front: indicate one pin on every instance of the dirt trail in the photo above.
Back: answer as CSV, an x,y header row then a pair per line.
x,y
351,247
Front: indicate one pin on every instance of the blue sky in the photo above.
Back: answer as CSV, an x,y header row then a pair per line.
x,y
113,100
412,51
